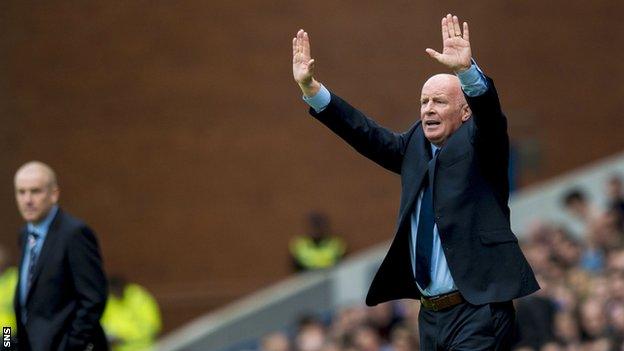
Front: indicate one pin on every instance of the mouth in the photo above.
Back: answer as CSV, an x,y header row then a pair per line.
x,y
431,123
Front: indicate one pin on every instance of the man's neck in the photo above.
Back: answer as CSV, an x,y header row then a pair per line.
x,y
46,220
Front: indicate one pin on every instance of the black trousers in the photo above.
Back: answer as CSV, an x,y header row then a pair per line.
x,y
468,327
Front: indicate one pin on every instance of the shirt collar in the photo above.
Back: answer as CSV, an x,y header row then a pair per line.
x,y
433,148
42,227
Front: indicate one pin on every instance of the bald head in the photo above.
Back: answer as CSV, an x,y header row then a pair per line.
x,y
448,84
36,190
443,107
40,169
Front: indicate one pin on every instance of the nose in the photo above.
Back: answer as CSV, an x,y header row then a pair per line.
x,y
429,108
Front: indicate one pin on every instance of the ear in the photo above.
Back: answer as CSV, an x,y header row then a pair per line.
x,y
56,192
465,113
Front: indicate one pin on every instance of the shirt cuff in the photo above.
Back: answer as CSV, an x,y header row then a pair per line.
x,y
319,101
473,80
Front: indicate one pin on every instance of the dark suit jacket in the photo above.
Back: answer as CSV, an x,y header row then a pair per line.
x,y
68,293
470,195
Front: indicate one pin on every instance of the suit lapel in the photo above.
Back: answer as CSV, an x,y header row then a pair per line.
x,y
420,147
431,169
48,247
22,245
456,144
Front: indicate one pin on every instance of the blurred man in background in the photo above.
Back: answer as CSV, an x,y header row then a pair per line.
x,y
319,248
61,290
576,203
275,341
131,318
615,198
8,282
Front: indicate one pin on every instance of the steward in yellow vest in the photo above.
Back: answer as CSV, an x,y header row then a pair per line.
x,y
8,282
318,249
131,318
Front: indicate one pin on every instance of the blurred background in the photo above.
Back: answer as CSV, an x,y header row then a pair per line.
x,y
178,134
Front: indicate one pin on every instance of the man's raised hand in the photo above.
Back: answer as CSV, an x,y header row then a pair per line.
x,y
303,64
456,53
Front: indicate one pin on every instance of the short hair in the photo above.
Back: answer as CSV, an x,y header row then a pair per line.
x,y
572,196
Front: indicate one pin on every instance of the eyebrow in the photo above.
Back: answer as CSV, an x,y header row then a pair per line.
x,y
440,96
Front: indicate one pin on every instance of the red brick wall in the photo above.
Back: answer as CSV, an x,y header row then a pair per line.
x,y
178,134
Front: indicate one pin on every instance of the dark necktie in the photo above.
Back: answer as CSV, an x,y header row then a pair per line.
x,y
424,238
32,247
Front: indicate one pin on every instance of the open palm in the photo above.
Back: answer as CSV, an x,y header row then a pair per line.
x,y
303,64
456,53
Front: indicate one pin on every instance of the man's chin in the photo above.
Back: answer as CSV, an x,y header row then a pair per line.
x,y
434,139
32,218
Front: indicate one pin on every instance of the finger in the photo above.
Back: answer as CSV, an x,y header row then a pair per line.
x,y
294,42
449,24
456,26
434,54
300,41
466,32
306,45
311,66
445,32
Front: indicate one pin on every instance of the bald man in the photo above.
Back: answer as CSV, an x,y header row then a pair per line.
x,y
61,291
453,247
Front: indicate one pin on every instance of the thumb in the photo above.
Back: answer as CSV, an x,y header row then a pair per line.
x,y
434,54
311,65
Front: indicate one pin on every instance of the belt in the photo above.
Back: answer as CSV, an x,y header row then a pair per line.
x,y
440,302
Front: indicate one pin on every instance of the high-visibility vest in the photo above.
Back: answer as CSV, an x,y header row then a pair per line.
x,y
133,320
8,282
312,255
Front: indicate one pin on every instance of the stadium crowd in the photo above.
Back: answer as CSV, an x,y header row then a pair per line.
x,y
580,306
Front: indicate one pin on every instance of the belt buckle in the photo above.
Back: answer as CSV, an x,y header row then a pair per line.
x,y
429,304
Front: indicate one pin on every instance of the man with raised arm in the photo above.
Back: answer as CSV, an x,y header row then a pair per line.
x,y
453,247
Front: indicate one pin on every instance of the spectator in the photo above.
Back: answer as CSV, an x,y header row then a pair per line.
x,y
593,319
131,318
402,339
276,341
331,346
567,330
575,201
615,317
535,315
311,335
8,282
366,338
318,249
382,318
345,322
615,196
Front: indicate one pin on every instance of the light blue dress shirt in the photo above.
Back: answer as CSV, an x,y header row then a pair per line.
x,y
473,83
40,228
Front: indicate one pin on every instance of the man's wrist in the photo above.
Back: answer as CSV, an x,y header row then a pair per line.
x,y
472,80
320,100
311,88
461,69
